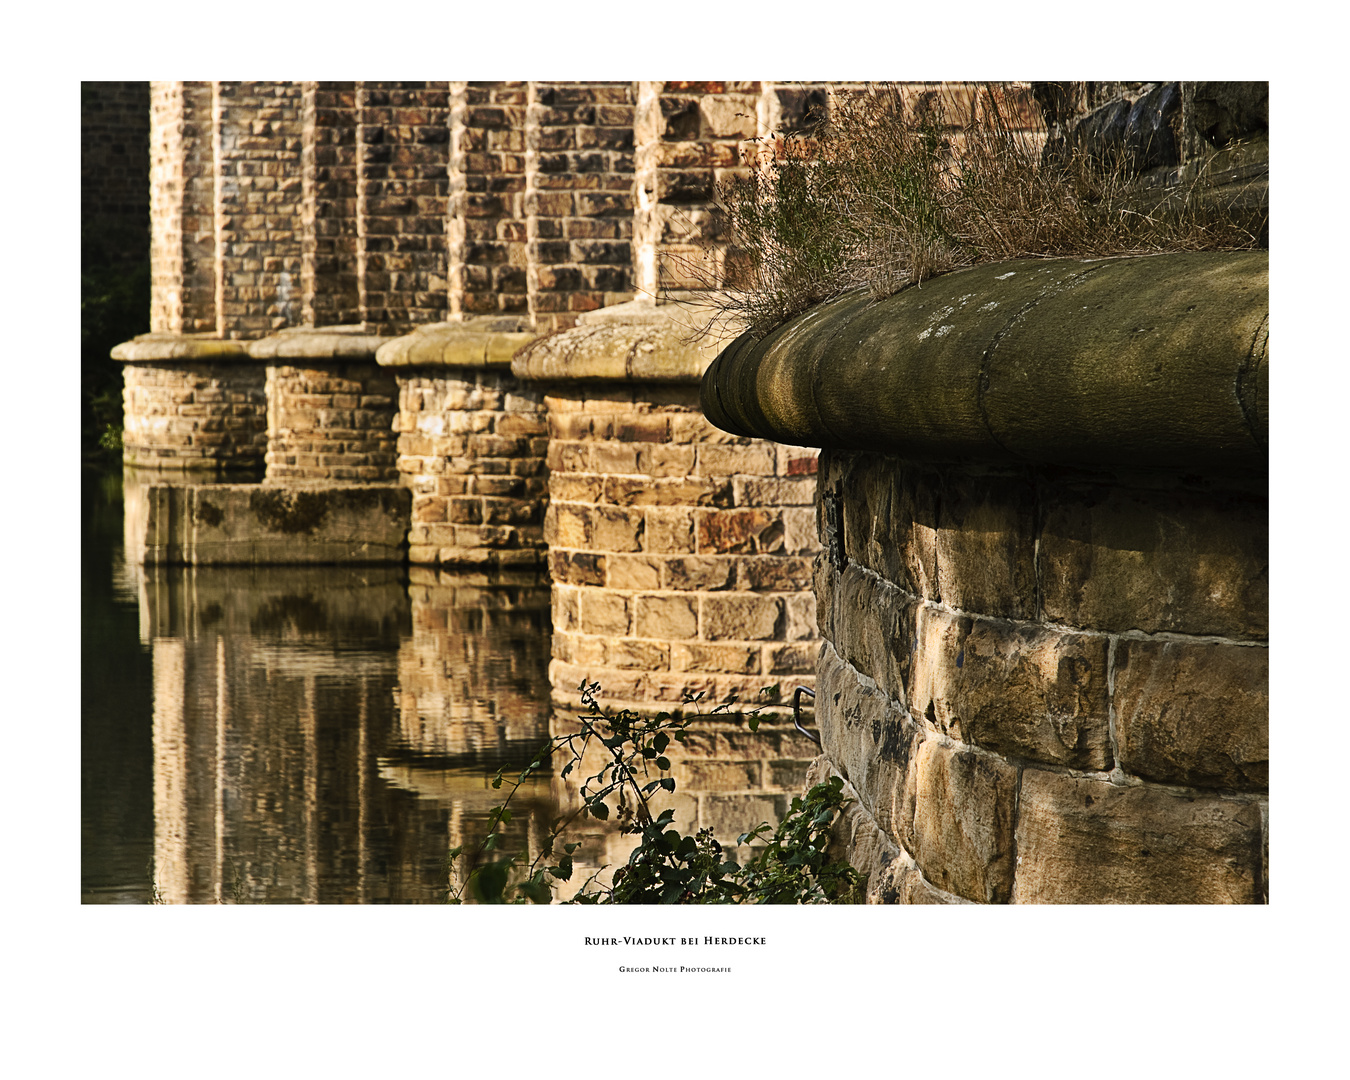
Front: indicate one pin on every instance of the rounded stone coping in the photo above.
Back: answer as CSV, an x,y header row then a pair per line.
x,y
146,348
1156,361
477,343
318,343
633,342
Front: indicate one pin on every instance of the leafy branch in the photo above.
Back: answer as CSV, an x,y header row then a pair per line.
x,y
666,866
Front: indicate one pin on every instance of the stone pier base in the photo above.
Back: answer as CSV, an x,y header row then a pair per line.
x,y
192,402
263,523
471,445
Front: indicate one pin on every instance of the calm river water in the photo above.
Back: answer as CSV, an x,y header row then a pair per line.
x,y
297,735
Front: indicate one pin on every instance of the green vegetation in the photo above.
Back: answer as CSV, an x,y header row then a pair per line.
x,y
114,307
666,867
888,192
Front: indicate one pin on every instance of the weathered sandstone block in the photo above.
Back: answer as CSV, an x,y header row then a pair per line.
x,y
1157,560
1044,573
265,523
1194,713
1018,688
959,815
1087,841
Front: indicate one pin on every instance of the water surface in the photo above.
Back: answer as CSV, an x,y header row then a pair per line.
x,y
323,735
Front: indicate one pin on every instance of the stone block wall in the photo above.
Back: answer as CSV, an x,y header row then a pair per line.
x,y
688,137
403,191
680,555
182,209
579,199
1046,687
266,524
330,292
114,152
331,421
395,204
193,416
192,404
487,229
399,204
471,446
258,189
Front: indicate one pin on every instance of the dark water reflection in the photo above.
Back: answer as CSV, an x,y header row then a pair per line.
x,y
117,813
327,734
298,734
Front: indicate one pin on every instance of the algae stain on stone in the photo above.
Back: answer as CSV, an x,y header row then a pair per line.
x,y
289,512
209,514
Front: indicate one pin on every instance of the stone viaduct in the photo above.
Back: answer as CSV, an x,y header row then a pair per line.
x,y
464,325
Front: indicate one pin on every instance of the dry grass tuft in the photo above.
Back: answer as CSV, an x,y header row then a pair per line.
x,y
883,195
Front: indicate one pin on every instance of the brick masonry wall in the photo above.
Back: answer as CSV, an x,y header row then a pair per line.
x,y
194,415
403,138
182,209
693,138
1046,689
399,204
680,555
331,421
579,199
471,446
257,133
487,231
689,137
114,157
329,288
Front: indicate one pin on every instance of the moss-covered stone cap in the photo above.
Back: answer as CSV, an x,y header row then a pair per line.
x,y
632,342
1151,362
146,348
317,343
474,343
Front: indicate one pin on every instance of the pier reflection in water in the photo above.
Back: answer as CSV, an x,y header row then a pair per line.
x,y
327,734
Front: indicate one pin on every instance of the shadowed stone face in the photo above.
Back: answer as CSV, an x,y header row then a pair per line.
x,y
1088,841
1156,560
1108,746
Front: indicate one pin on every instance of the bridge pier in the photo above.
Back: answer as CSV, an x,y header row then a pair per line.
x,y
471,444
193,403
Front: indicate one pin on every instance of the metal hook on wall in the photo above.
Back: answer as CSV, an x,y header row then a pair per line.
x,y
797,713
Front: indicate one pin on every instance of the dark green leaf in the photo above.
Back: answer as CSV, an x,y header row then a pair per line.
x,y
489,883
